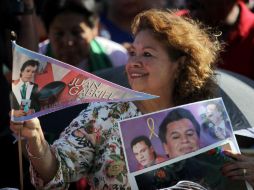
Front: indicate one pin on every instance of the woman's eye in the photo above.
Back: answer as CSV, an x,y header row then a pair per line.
x,y
147,54
131,53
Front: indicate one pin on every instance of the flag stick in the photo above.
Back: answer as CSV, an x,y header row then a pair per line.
x,y
20,161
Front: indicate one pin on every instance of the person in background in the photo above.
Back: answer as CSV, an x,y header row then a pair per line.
x,y
160,63
117,15
13,15
72,27
236,23
5,62
250,4
144,152
176,4
179,133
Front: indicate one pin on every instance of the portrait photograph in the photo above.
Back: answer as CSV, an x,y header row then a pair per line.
x,y
160,136
24,95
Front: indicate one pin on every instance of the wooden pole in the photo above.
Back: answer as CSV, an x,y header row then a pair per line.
x,y
20,161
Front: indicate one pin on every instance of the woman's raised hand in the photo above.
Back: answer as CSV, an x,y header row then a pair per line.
x,y
241,168
28,129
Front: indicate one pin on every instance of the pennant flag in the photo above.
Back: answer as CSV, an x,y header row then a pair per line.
x,y
41,85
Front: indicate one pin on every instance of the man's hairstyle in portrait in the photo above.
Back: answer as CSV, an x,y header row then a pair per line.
x,y
175,115
30,62
220,107
140,139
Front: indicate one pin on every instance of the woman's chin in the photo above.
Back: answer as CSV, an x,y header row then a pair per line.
x,y
138,88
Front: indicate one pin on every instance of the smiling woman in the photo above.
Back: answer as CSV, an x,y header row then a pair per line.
x,y
150,64
190,48
171,57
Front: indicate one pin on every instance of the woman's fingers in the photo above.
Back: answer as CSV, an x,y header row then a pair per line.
x,y
233,169
19,113
16,126
241,168
30,111
28,129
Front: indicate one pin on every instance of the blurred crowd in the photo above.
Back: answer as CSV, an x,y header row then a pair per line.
x,y
53,28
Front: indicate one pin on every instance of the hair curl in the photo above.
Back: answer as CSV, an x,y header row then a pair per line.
x,y
184,37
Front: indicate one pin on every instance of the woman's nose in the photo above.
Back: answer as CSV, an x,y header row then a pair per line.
x,y
135,61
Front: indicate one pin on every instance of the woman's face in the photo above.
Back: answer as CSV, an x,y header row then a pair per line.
x,y
70,37
149,68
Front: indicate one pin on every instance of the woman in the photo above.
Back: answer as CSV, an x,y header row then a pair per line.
x,y
117,16
171,57
73,27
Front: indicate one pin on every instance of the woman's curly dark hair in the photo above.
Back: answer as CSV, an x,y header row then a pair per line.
x,y
184,37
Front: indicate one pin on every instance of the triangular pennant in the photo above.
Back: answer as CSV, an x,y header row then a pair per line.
x,y
52,85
